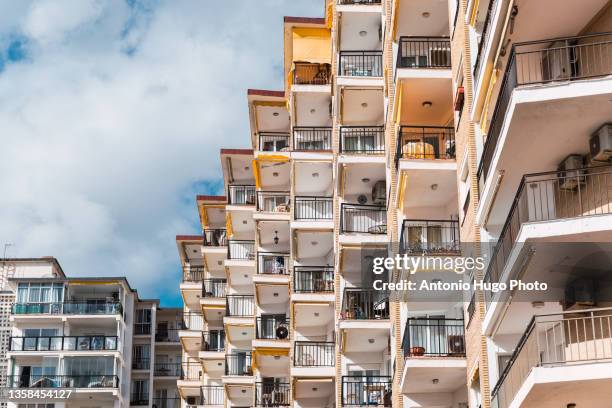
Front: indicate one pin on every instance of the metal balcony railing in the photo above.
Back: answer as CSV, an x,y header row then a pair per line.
x,y
166,403
142,328
191,371
313,279
272,328
141,363
314,354
306,73
167,369
567,59
424,52
239,363
471,308
365,304
546,197
167,335
244,250
312,138
562,339
367,219
212,395
313,208
430,237
213,340
273,141
62,381
215,237
272,394
241,194
362,139
434,337
484,39
63,343
240,305
273,201
69,307
139,399
360,64
425,142
193,273
214,288
359,391
193,321
272,263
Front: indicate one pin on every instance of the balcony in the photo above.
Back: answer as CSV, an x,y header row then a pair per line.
x,y
273,201
359,2
215,237
240,250
213,340
314,354
167,335
316,139
214,288
141,363
434,338
191,371
69,308
63,343
273,141
365,304
359,391
212,395
272,328
192,321
568,347
167,369
313,208
139,399
166,403
484,38
362,139
193,273
546,197
306,73
364,219
142,328
432,237
62,381
530,63
239,364
241,194
273,263
425,143
313,279
361,64
424,53
240,306
272,394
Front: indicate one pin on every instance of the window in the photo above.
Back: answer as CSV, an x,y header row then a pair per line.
x,y
143,321
142,353
40,293
140,392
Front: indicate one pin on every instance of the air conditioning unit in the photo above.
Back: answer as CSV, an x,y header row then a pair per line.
x,y
557,62
580,293
569,174
601,143
379,193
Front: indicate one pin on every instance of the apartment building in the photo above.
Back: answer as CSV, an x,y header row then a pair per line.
x,y
87,341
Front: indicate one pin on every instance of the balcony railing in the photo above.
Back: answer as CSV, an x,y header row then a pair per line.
x,y
484,39
239,364
241,194
141,363
314,354
167,335
312,138
361,63
306,73
313,208
193,321
430,237
62,381
273,263
367,219
167,369
239,305
142,328
424,52
215,237
578,58
212,395
193,273
74,308
563,339
273,141
359,391
365,304
166,403
550,196
272,394
362,139
213,340
63,343
244,250
273,201
359,1
272,328
139,399
214,288
425,142
191,371
313,279
434,337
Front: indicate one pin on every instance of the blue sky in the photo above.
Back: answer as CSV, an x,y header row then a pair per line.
x,y
112,114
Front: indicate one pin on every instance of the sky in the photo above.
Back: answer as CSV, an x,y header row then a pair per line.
x,y
112,114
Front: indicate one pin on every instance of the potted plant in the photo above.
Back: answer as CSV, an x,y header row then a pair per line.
x,y
417,351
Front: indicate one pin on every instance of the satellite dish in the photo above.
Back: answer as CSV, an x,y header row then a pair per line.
x,y
362,199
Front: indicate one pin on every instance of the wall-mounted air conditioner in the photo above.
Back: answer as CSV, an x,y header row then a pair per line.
x,y
580,293
379,193
569,174
601,143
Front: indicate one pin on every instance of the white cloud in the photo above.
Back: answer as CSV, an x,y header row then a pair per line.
x,y
116,114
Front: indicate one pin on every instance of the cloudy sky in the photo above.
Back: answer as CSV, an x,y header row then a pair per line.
x,y
112,113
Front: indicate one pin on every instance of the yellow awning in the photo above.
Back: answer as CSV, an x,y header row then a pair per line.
x,y
312,45
268,352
